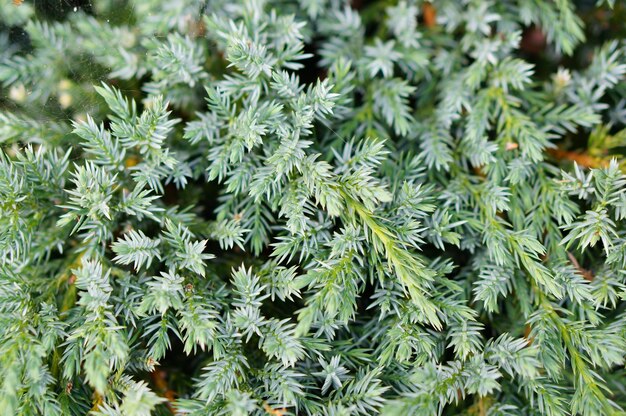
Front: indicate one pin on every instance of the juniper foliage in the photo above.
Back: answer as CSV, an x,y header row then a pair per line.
x,y
312,207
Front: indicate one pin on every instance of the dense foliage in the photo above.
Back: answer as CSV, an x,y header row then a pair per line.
x,y
312,207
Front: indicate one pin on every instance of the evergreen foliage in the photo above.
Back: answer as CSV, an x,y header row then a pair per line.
x,y
312,207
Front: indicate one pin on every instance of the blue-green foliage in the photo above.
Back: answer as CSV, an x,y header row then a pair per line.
x,y
303,207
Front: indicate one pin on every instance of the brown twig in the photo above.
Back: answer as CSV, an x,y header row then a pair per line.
x,y
430,14
582,159
159,379
274,412
587,274
527,331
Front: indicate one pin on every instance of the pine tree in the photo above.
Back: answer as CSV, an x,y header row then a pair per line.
x,y
313,207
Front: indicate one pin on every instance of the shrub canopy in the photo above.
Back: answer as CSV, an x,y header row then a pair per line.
x,y
312,207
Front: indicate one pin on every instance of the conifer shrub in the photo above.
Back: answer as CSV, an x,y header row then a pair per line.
x,y
313,207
